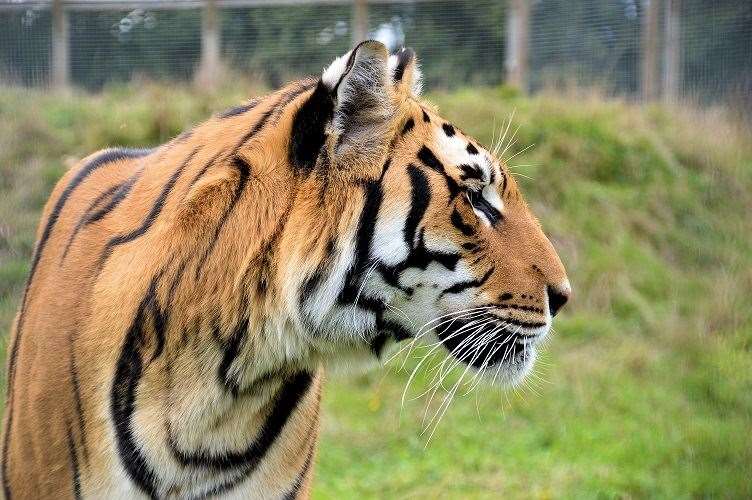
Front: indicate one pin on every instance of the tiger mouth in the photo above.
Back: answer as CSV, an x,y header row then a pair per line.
x,y
488,344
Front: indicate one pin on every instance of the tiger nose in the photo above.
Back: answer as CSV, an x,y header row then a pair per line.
x,y
557,297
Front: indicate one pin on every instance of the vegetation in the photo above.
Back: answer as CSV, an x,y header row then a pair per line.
x,y
645,389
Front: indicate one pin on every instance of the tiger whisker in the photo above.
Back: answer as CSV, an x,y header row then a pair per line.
x,y
520,151
417,367
421,332
446,402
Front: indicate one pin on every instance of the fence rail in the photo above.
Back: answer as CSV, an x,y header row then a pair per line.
x,y
646,49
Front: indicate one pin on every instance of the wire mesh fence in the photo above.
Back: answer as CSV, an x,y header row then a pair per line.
x,y
700,49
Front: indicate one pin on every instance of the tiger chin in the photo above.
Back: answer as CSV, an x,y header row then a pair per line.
x,y
182,299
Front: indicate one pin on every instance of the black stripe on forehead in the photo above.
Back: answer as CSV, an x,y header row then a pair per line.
x,y
426,156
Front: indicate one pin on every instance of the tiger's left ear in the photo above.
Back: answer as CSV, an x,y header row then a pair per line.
x,y
360,86
352,105
405,72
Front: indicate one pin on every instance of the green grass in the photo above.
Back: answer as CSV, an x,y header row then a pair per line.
x,y
645,389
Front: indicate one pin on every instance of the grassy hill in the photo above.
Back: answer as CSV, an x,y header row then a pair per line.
x,y
645,389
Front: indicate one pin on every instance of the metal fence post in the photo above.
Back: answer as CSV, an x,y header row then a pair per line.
x,y
518,20
650,35
671,50
209,66
59,61
359,21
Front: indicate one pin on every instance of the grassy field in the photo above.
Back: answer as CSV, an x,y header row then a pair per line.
x,y
645,389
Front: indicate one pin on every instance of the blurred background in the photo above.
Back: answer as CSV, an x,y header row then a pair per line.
x,y
630,133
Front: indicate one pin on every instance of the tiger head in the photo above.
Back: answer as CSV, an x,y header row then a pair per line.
x,y
408,227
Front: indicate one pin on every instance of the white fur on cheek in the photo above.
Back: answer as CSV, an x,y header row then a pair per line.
x,y
388,245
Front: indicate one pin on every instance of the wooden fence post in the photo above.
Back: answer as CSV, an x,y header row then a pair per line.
x,y
60,60
650,33
671,51
359,21
518,21
209,68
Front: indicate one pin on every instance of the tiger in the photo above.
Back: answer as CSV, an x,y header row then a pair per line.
x,y
184,301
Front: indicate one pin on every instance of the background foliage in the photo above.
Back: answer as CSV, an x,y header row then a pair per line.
x,y
461,42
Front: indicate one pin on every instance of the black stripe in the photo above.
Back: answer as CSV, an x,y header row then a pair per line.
x,y
159,318
520,307
183,137
312,282
471,148
292,494
524,324
275,110
238,110
421,197
366,226
89,217
408,126
448,129
99,199
398,331
74,463
119,196
92,206
309,129
128,374
231,352
464,285
95,163
479,202
377,343
460,224
426,156
156,209
429,159
420,257
426,118
203,170
244,170
78,403
255,129
385,168
472,172
286,401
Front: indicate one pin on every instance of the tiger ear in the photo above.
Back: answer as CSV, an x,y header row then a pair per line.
x,y
359,83
405,72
